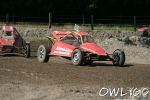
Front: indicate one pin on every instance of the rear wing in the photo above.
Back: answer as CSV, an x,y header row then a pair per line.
x,y
7,28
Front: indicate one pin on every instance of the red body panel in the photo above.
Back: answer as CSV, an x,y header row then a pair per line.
x,y
6,42
143,29
93,48
62,49
9,42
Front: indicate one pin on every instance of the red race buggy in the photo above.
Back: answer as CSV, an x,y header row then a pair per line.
x,y
79,47
11,42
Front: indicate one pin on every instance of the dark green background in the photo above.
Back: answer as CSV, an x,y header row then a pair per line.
x,y
73,8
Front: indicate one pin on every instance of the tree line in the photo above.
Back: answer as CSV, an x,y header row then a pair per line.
x,y
75,7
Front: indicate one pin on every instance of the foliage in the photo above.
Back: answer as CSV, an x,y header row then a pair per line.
x,y
73,7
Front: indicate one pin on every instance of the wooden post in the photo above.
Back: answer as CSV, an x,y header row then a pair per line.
x,y
7,18
135,24
13,18
120,20
13,12
83,20
50,20
92,22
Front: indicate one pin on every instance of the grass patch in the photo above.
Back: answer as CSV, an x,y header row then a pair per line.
x,y
35,37
38,31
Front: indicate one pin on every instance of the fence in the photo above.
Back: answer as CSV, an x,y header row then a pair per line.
x,y
93,20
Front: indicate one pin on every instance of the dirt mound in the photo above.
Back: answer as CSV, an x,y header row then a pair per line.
x,y
134,54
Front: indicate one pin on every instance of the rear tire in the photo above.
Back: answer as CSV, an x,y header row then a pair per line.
x,y
42,54
77,57
27,52
118,58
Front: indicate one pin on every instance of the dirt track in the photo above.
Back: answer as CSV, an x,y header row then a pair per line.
x,y
26,79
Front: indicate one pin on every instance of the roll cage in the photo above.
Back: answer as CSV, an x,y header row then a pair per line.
x,y
70,38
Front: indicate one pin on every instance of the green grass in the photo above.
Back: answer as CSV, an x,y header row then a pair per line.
x,y
35,38
115,27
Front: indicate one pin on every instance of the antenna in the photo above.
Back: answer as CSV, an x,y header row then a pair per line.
x,y
76,27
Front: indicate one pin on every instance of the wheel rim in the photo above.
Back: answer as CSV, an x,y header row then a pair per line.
x,y
41,53
76,57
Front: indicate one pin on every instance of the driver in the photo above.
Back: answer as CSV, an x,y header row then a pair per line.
x,y
77,41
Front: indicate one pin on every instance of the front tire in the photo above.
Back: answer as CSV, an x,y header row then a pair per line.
x,y
42,54
118,58
77,57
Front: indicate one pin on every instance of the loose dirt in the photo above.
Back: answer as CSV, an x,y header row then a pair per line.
x,y
27,79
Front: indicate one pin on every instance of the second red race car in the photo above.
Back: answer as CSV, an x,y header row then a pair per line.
x,y
79,47
11,42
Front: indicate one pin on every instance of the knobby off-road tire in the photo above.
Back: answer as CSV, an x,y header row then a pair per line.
x,y
42,54
27,51
118,58
77,57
